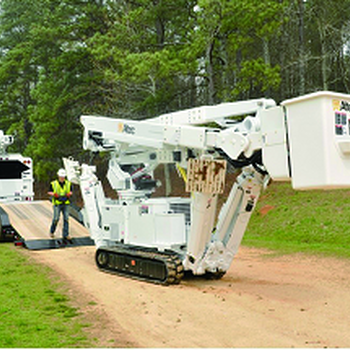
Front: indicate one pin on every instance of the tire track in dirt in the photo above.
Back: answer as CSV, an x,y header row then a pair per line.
x,y
263,301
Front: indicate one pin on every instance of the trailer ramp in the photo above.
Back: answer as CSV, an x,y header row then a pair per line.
x,y
32,221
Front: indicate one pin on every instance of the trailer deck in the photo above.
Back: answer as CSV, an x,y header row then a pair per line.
x,y
32,222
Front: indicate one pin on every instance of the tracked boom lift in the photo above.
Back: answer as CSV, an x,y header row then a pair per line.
x,y
305,140
16,182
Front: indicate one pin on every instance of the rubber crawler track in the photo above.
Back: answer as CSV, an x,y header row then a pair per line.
x,y
141,263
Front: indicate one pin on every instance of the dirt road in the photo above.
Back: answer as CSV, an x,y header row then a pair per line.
x,y
263,301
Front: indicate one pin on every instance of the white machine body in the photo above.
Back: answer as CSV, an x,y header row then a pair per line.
x,y
305,140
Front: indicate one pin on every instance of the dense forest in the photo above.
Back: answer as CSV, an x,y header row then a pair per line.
x,y
137,59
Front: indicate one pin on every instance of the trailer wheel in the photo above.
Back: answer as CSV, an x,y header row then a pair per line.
x,y
102,258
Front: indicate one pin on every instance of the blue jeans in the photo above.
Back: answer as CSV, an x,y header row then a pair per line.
x,y
57,209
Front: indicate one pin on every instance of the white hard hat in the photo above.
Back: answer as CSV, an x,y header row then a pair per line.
x,y
61,173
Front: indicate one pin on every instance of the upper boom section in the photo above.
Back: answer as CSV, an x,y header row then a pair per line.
x,y
217,113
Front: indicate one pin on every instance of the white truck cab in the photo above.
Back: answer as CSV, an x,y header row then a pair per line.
x,y
16,173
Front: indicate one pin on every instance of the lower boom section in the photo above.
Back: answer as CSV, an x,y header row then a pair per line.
x,y
141,263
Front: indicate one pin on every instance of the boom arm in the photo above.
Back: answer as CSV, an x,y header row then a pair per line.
x,y
174,130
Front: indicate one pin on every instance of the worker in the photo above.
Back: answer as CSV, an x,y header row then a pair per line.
x,y
60,191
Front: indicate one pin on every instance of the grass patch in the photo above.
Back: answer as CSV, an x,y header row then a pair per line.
x,y
33,311
301,221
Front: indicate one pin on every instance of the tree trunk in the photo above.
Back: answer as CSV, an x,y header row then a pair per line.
x,y
301,48
266,51
324,60
167,178
210,70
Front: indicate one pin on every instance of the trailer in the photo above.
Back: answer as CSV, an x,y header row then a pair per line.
x,y
31,222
